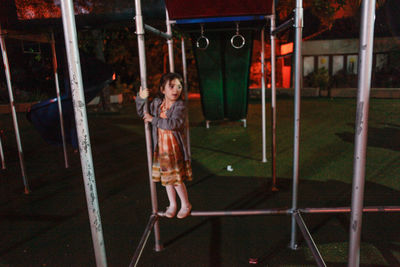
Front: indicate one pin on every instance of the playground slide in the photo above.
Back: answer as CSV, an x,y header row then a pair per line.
x,y
224,76
45,115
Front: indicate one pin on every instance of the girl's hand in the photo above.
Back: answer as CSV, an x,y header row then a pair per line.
x,y
143,93
147,117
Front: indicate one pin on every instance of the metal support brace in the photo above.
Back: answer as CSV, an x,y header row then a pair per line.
x,y
157,32
309,240
139,250
287,24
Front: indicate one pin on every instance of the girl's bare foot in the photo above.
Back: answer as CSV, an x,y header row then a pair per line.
x,y
184,212
170,211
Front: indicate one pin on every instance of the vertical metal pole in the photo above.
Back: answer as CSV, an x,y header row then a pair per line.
x,y
297,79
143,81
55,69
361,128
3,161
170,43
78,97
273,101
185,87
263,116
13,112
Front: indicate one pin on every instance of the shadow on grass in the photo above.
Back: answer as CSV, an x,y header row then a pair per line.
x,y
386,137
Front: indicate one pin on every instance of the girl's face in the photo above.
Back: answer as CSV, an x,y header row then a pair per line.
x,y
172,90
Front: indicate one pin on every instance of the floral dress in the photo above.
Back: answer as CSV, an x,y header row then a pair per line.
x,y
169,165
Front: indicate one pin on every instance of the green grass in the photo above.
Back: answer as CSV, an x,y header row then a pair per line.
x,y
50,227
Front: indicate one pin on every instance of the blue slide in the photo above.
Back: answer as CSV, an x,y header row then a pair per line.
x,y
45,115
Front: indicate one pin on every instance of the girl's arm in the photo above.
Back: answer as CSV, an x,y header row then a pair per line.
x,y
176,120
140,105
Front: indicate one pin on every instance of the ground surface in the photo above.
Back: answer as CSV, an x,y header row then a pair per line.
x,y
50,226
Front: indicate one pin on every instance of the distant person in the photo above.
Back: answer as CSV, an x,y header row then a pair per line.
x,y
171,159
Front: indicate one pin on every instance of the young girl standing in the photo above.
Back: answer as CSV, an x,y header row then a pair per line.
x,y
171,160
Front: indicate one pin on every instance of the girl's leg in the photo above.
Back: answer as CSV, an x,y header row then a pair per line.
x,y
171,210
185,204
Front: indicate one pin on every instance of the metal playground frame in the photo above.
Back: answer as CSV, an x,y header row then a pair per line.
x,y
364,81
361,124
43,39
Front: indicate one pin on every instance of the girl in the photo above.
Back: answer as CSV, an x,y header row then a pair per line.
x,y
171,160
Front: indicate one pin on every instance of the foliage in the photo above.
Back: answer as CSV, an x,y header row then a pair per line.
x,y
342,79
324,10
36,9
119,87
21,96
319,78
31,74
39,9
121,52
388,77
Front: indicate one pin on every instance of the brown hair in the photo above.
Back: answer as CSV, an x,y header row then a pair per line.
x,y
168,77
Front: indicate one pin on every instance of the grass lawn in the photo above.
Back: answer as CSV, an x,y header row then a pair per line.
x,y
50,226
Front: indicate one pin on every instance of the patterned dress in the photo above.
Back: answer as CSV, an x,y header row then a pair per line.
x,y
169,165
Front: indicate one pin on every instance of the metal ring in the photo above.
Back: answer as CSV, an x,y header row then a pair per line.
x,y
198,42
241,38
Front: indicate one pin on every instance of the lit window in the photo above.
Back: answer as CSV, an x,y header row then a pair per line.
x,y
352,64
337,64
323,62
308,65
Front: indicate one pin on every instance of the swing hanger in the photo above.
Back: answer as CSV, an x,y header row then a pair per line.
x,y
202,39
238,38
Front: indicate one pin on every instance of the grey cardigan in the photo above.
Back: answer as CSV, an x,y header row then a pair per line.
x,y
175,121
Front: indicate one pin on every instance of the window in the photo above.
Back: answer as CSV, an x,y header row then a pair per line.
x,y
323,62
352,64
337,64
381,61
308,65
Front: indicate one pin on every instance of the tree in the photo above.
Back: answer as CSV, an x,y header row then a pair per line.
x,y
323,10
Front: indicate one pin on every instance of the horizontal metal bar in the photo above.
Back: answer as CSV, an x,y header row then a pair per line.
x,y
218,19
237,212
233,29
143,240
157,32
347,209
309,240
283,26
